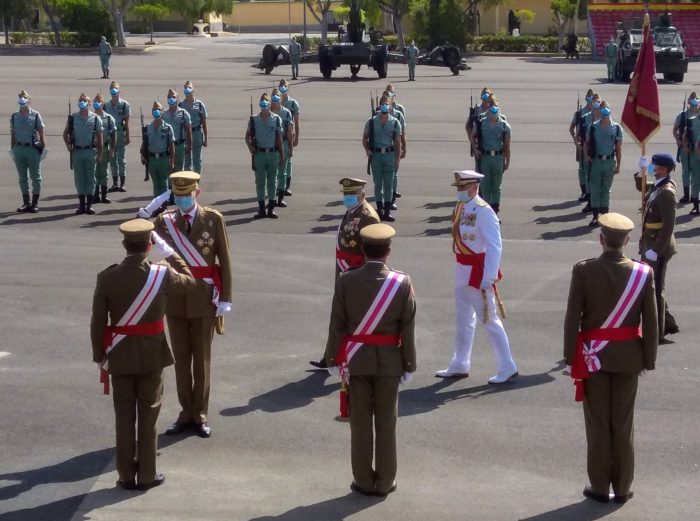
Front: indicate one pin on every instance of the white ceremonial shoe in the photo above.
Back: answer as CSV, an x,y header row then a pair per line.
x,y
450,373
504,376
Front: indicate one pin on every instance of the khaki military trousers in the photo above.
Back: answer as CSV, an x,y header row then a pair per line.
x,y
137,399
191,340
373,400
608,408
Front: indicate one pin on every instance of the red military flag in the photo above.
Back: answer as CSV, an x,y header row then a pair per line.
x,y
641,116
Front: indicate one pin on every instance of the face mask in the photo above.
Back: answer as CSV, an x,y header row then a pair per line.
x,y
157,113
694,102
605,112
493,110
284,89
650,169
172,101
188,91
276,99
485,96
462,197
184,202
23,101
82,104
114,91
596,105
96,105
350,200
384,108
264,104
589,99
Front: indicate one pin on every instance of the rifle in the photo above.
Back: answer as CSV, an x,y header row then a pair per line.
x,y
470,121
144,145
71,132
370,136
681,129
251,133
577,119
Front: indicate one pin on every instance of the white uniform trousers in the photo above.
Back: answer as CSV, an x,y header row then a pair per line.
x,y
470,308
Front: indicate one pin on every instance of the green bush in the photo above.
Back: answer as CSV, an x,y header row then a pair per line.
x,y
522,44
89,20
19,38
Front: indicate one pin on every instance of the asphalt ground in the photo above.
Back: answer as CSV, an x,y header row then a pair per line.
x,y
467,450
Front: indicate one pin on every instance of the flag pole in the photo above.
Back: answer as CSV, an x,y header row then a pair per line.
x,y
644,181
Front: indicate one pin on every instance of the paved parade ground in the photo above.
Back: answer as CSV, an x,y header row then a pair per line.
x,y
467,451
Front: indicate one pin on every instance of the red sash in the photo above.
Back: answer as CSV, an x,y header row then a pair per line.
x,y
347,260
476,261
208,272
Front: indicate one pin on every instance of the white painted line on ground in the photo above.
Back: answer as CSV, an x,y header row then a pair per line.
x,y
3,354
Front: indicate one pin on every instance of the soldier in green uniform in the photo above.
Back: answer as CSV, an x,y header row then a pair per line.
x,y
392,97
604,154
198,116
492,151
294,57
179,119
26,133
136,349
411,57
611,49
264,141
658,244
381,139
587,123
377,358
105,55
476,113
398,114
610,297
109,141
83,139
577,130
679,128
120,110
293,106
287,141
691,140
348,247
160,156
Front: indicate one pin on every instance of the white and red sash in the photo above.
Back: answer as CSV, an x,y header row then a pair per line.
x,y
194,259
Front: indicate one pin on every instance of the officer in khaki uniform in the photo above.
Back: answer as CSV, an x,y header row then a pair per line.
x,y
658,244
136,363
602,338
193,316
377,368
348,246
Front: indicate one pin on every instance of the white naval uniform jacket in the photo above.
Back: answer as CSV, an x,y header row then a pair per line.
x,y
480,232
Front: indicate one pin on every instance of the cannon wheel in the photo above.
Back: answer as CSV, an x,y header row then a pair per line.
x,y
381,62
268,69
451,56
354,69
455,70
324,62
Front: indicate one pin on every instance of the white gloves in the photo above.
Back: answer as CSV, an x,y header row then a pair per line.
x,y
151,207
163,247
223,308
44,153
487,284
406,378
651,255
643,163
143,213
334,370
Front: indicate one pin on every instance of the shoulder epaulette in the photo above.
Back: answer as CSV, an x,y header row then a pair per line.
x,y
213,210
481,202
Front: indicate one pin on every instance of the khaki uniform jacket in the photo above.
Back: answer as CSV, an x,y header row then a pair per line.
x,y
355,291
117,288
349,230
659,208
208,236
596,287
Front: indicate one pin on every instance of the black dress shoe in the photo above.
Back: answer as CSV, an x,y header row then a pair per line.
x,y
385,493
177,427
671,330
357,488
203,430
601,498
321,364
623,499
126,485
160,479
665,341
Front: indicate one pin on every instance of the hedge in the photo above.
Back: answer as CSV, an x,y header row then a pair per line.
x,y
521,44
68,38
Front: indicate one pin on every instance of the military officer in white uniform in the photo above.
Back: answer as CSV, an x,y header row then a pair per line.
x,y
477,247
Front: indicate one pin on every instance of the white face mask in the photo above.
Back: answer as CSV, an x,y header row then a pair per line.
x,y
463,197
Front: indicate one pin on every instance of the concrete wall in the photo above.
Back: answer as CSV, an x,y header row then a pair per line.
x,y
497,17
271,16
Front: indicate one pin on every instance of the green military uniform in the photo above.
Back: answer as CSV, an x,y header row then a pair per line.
x,y
105,55
602,169
293,106
348,252
136,363
491,142
198,115
402,119
608,404
180,121
25,129
159,139
287,123
120,111
109,128
294,57
681,124
476,114
85,132
693,139
384,156
611,57
375,370
583,118
411,57
266,159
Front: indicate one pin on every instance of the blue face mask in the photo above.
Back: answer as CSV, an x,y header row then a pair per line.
x,y
650,169
264,104
694,102
284,89
350,200
97,105
172,101
82,104
114,92
275,99
384,108
188,91
184,202
157,113
485,96
462,197
23,101
605,112
589,99
596,105
493,110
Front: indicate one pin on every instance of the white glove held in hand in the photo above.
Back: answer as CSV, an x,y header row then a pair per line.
x,y
223,308
643,163
651,255
143,213
156,203
163,248
406,378
334,370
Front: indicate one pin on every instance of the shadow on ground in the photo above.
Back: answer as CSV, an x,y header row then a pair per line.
x,y
336,509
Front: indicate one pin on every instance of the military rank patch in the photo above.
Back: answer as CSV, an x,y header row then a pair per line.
x,y
468,219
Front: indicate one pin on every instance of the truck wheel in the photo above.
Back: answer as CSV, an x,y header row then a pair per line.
x,y
451,56
675,76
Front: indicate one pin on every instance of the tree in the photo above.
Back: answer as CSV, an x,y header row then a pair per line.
x,y
150,13
436,22
525,16
563,12
319,10
51,10
398,9
193,10
11,11
116,10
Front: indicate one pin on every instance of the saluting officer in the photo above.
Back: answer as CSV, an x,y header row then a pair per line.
x,y
373,347
348,246
287,141
133,346
160,156
83,139
109,141
198,233
198,116
120,110
610,297
26,132
293,106
295,57
179,119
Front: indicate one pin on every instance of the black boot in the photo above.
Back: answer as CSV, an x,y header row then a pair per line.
x,y
96,196
582,197
122,182
35,203
280,199
387,213
588,207
397,195
496,207
287,191
26,206
114,187
88,206
271,210
81,205
686,195
594,221
380,208
696,206
604,210
393,203
103,188
261,210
